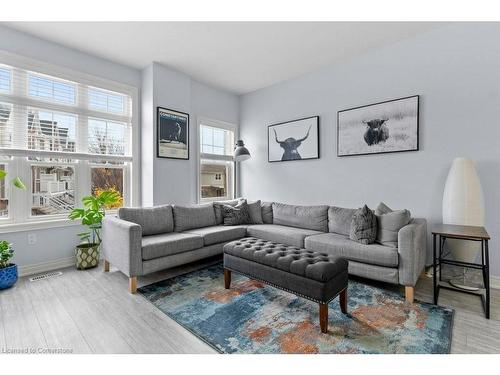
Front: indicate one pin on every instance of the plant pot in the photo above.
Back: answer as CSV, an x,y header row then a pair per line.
x,y
8,276
87,256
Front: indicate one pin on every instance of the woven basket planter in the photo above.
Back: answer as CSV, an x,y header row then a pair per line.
x,y
87,256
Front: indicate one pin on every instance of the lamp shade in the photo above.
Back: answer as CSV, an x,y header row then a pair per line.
x,y
241,152
463,204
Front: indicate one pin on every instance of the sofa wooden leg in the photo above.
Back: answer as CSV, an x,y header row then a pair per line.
x,y
323,317
343,301
132,284
409,293
227,278
106,266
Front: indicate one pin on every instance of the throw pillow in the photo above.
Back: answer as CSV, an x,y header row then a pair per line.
x,y
219,218
363,226
237,215
255,212
389,223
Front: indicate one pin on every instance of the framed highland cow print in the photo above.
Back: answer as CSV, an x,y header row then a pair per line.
x,y
390,126
172,134
293,140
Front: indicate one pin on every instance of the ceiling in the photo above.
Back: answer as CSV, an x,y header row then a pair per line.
x,y
239,57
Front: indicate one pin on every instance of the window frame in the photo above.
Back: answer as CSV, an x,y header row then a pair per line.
x,y
232,188
19,215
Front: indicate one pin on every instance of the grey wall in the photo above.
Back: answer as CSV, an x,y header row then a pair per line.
x,y
455,70
171,180
56,243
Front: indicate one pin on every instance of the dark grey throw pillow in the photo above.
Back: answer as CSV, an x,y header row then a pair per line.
x,y
237,215
389,223
363,226
254,209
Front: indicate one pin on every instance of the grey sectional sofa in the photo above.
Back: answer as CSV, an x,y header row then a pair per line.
x,y
144,240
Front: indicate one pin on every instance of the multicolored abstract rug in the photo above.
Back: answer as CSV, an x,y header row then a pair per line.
x,y
254,318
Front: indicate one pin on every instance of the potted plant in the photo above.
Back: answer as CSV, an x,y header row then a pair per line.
x,y
8,271
91,215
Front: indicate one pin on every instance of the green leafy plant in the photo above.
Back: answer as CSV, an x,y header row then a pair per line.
x,y
92,213
6,253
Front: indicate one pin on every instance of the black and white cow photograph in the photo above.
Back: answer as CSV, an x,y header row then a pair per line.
x,y
390,126
173,134
294,140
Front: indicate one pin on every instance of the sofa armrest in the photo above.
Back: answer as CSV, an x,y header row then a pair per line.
x,y
121,245
412,243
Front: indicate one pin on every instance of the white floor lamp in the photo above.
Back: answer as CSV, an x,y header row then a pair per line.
x,y
463,204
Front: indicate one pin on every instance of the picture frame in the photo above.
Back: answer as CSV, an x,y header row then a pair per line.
x,y
379,128
293,140
172,134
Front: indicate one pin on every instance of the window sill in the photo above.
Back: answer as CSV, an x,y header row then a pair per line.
x,y
36,225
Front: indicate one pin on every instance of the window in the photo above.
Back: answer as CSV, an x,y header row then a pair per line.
x,y
66,135
106,101
216,179
51,89
4,79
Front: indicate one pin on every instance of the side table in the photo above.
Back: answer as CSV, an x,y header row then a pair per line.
x,y
470,233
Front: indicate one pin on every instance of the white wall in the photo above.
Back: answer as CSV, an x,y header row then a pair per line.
x,y
455,70
171,180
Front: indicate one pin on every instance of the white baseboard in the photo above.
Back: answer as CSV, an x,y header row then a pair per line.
x,y
495,282
33,269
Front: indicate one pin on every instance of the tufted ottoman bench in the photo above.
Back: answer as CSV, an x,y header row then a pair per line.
x,y
312,275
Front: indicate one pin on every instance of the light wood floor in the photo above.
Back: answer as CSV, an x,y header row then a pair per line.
x,y
92,312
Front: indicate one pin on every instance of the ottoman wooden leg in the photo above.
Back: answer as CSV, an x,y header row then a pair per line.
x,y
106,266
227,278
323,317
343,301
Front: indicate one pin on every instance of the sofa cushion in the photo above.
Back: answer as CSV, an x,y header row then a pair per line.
x,y
153,220
191,217
305,217
339,220
161,245
267,212
280,234
219,233
339,245
363,226
255,210
219,217
389,223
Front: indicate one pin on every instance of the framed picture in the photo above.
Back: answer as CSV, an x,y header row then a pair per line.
x,y
390,126
172,134
293,140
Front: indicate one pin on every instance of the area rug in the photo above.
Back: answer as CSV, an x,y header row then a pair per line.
x,y
254,318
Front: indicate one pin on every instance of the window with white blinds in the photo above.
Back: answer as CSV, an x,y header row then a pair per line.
x,y
65,136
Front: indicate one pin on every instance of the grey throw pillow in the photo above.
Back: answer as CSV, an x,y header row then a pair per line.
x,y
237,215
389,223
363,226
267,212
254,209
219,218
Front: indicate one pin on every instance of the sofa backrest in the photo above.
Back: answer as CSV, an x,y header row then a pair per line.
x,y
339,220
306,217
153,220
192,217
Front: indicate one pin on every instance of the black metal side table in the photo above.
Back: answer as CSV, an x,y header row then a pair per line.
x,y
442,232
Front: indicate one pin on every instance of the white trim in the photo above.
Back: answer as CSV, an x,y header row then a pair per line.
x,y
62,155
30,225
201,120
495,282
32,269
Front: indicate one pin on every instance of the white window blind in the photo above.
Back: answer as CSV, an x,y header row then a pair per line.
x,y
65,135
